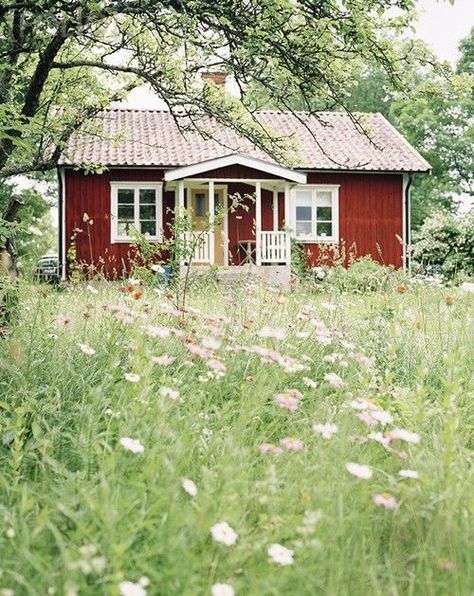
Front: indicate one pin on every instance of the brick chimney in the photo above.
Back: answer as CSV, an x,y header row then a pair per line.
x,y
219,78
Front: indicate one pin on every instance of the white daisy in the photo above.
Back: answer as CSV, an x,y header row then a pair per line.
x,y
280,554
132,445
222,532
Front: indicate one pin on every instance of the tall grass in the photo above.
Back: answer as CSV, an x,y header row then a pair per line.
x,y
79,513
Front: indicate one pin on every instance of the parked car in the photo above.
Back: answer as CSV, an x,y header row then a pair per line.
x,y
47,268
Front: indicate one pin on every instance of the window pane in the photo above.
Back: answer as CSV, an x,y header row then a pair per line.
x,y
324,213
148,228
324,198
303,228
324,229
200,204
125,212
303,214
147,196
147,212
125,196
124,228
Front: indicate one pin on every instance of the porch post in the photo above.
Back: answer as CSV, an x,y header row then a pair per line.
x,y
258,222
179,211
287,222
275,210
211,221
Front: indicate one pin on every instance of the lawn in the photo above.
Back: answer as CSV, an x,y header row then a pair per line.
x,y
131,432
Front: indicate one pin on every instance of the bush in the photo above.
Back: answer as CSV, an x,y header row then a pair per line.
x,y
361,276
445,245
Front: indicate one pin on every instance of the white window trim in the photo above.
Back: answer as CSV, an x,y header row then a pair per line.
x,y
314,239
114,187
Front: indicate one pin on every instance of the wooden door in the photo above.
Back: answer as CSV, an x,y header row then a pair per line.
x,y
200,214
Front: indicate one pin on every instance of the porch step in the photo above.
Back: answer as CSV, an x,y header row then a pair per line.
x,y
271,274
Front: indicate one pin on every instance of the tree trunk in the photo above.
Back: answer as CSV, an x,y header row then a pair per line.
x,y
8,251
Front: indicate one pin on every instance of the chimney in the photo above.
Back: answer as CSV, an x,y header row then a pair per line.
x,y
219,78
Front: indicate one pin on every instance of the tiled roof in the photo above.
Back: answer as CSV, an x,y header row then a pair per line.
x,y
326,141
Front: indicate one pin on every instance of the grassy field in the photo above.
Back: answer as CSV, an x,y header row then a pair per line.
x,y
109,400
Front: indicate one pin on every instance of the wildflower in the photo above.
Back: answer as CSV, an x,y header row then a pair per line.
x,y
310,383
160,332
325,430
157,268
334,380
132,445
64,320
289,399
270,448
222,590
210,343
189,486
85,217
292,444
409,474
131,589
168,392
10,533
404,435
132,377
280,554
359,470
277,333
362,404
222,532
449,300
137,294
401,289
385,500
164,360
446,564
86,349
92,290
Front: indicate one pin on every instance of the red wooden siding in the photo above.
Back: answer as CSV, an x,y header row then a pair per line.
x,y
236,171
370,214
91,194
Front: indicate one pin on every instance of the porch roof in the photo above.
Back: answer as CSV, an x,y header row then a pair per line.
x,y
235,159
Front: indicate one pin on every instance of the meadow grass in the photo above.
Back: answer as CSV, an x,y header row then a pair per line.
x,y
80,513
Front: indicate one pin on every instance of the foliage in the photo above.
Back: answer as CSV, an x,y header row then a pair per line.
x,y
79,56
81,512
445,244
34,234
361,276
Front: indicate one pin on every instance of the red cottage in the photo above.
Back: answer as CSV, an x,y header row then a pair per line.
x,y
347,188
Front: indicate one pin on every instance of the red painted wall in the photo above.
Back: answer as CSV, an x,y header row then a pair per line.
x,y
370,215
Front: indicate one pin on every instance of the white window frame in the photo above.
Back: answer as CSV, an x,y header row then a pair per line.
x,y
136,187
314,189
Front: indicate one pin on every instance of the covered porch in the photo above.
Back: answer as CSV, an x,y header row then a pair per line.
x,y
255,233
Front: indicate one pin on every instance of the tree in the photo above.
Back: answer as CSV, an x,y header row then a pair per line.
x,y
62,60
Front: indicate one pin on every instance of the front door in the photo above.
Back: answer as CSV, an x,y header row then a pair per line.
x,y
200,214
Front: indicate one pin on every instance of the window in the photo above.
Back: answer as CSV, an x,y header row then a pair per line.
x,y
316,213
200,204
136,206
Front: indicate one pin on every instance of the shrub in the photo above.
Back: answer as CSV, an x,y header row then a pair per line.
x,y
361,276
445,245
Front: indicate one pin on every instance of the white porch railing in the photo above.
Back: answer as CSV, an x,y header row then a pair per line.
x,y
202,246
274,247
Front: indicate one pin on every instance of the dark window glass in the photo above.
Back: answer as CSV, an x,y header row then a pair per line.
x,y
125,196
324,228
148,228
147,196
324,213
303,213
147,212
200,205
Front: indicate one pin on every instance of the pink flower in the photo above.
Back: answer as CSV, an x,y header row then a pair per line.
x,y
64,320
446,564
385,500
163,360
404,435
326,430
292,444
334,380
270,448
289,399
276,333
359,470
